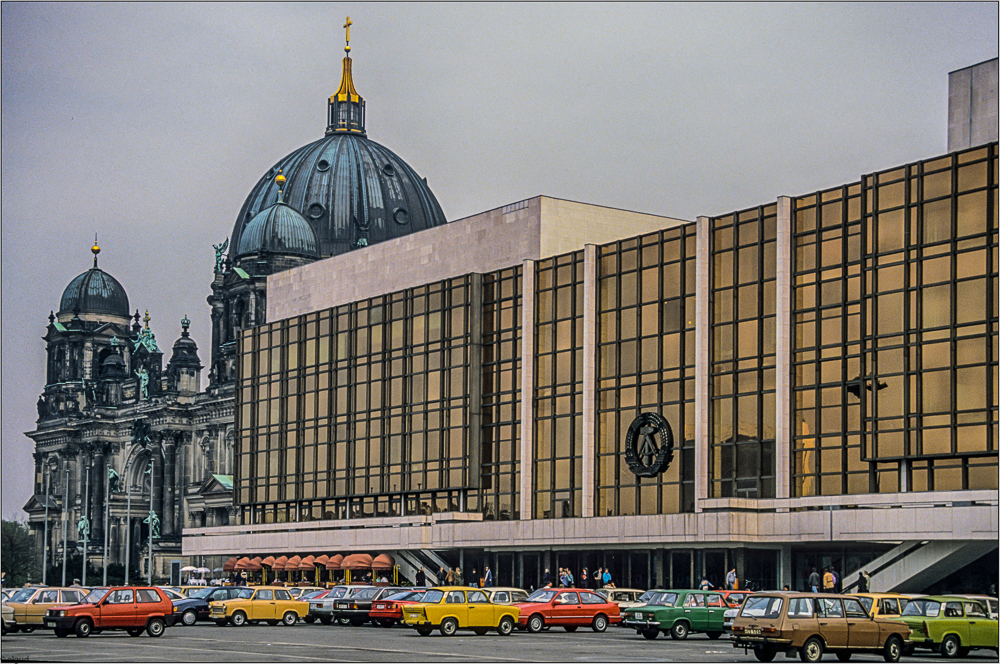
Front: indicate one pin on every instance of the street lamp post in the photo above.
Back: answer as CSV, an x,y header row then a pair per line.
x,y
45,537
86,524
65,514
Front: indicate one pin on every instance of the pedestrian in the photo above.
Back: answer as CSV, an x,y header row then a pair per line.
x,y
813,581
731,580
598,578
547,579
569,578
459,579
450,577
705,583
837,585
606,577
441,576
488,579
862,582
562,578
76,583
584,578
828,580
421,579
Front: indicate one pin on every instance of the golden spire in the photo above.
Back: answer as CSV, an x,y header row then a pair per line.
x,y
279,180
346,110
95,250
347,92
347,26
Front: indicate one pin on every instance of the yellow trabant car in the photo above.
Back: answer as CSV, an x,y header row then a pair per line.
x,y
268,603
882,605
451,608
26,608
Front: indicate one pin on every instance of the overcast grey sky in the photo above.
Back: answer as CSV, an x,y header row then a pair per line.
x,y
149,123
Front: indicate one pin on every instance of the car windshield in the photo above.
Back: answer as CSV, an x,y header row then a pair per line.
x,y
664,599
922,607
95,596
401,596
648,596
867,603
432,597
366,593
542,596
246,593
200,593
762,607
22,595
315,593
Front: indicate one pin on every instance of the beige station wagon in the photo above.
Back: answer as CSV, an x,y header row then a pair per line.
x,y
811,624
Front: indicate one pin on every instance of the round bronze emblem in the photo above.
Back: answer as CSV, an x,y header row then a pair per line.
x,y
645,456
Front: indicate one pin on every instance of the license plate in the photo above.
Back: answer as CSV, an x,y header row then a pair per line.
x,y
638,616
752,631
380,606
50,623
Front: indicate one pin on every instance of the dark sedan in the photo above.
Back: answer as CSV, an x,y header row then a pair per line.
x,y
194,607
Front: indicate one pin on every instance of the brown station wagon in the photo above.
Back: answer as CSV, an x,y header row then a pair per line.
x,y
812,624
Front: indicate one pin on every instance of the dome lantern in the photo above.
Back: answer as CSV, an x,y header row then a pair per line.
x,y
346,109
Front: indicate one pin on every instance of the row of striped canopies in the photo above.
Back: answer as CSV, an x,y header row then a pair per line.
x,y
354,561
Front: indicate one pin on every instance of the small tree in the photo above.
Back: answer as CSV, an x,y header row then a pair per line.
x,y
17,554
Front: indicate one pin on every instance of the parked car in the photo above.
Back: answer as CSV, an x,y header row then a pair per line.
x,y
298,591
355,608
950,625
25,610
268,603
503,595
678,613
569,608
321,608
451,608
811,624
735,598
195,606
882,605
624,597
132,608
387,611
990,603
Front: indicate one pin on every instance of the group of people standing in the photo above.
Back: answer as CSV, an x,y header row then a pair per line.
x,y
453,576
830,581
601,578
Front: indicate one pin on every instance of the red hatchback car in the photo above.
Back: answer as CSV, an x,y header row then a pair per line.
x,y
134,609
568,608
388,611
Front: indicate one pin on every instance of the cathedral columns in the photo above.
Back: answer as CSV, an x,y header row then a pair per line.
x,y
99,480
169,463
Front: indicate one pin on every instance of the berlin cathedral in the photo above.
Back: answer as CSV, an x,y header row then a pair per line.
x,y
129,449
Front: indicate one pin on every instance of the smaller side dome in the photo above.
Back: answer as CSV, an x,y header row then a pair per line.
x,y
113,366
94,292
185,349
278,229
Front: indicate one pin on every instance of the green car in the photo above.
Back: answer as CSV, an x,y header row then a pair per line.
x,y
950,625
678,612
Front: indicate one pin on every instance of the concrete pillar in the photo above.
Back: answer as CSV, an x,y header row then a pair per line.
x,y
783,396
527,389
589,377
702,331
169,506
99,480
785,568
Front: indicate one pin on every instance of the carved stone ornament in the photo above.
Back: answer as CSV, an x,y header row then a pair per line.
x,y
649,445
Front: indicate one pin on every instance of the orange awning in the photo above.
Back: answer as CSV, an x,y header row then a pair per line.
x,y
254,565
279,562
268,562
383,561
357,561
229,565
242,563
334,562
307,562
293,563
322,560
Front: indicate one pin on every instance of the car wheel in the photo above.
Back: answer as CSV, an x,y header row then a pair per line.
x,y
290,618
189,618
238,619
272,623
506,626
344,621
449,626
535,624
135,631
310,619
221,623
83,628
812,651
650,633
713,635
326,620
424,631
386,622
893,649
679,631
600,623
764,654
950,646
844,656
155,627
62,633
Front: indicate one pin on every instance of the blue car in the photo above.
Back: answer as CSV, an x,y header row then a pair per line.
x,y
194,607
